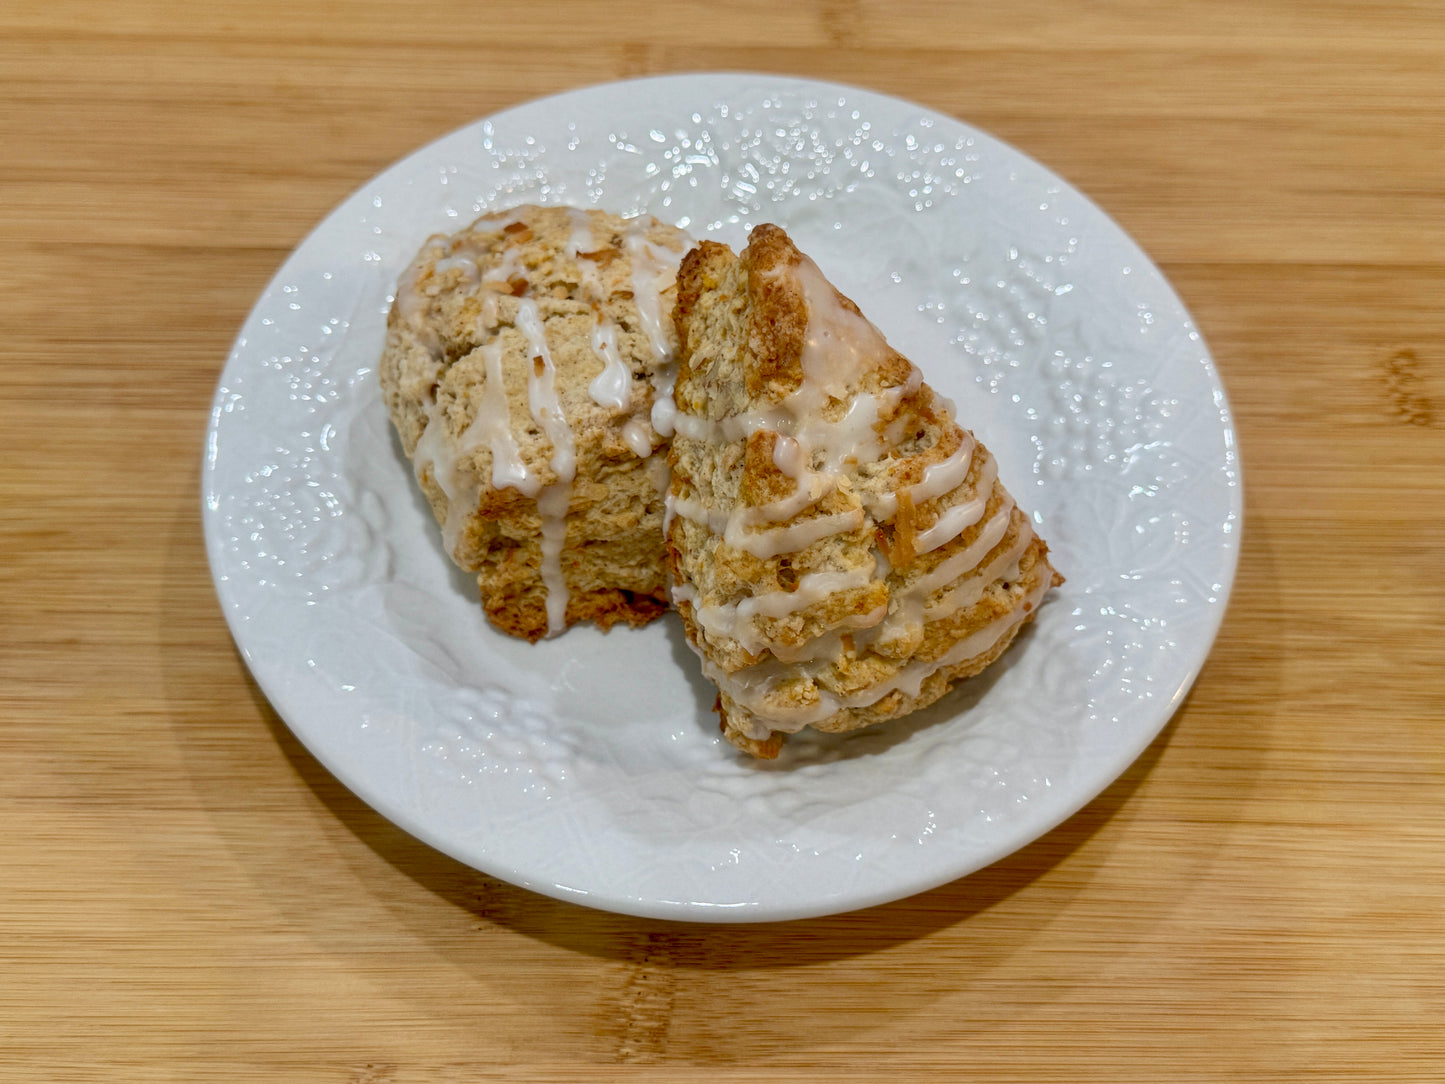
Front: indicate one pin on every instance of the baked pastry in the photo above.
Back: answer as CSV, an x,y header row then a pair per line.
x,y
842,549
520,367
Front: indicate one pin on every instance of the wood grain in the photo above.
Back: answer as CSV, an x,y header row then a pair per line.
x,y
186,895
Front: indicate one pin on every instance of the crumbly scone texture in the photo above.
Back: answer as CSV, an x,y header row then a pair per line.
x,y
843,550
519,371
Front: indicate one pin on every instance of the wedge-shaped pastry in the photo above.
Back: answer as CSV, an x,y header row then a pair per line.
x,y
520,369
843,550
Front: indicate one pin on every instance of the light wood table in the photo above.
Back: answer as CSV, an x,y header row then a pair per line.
x,y
185,894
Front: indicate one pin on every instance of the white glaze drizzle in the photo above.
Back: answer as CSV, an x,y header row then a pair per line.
x,y
938,479
660,474
638,437
654,270
431,455
909,608
788,458
838,343
552,505
581,237
664,407
692,508
734,621
553,500
460,262
954,520
1003,568
612,387
833,445
790,538
965,560
542,390
769,542
492,426
432,450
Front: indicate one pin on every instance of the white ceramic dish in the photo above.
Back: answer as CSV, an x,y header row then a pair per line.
x,y
589,767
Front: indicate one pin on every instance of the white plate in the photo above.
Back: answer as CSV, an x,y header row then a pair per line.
x,y
590,767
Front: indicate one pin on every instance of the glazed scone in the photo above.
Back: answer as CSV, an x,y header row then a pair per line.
x,y
520,369
843,550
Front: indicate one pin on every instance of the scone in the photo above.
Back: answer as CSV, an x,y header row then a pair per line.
x,y
843,550
520,368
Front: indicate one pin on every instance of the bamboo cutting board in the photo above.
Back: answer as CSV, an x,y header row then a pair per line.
x,y
188,895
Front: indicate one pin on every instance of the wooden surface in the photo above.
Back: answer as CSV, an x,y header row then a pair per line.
x,y
185,894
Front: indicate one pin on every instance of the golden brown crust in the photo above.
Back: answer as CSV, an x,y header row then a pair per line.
x,y
763,748
762,480
778,316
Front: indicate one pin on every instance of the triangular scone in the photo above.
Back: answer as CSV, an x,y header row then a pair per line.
x,y
520,368
842,550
